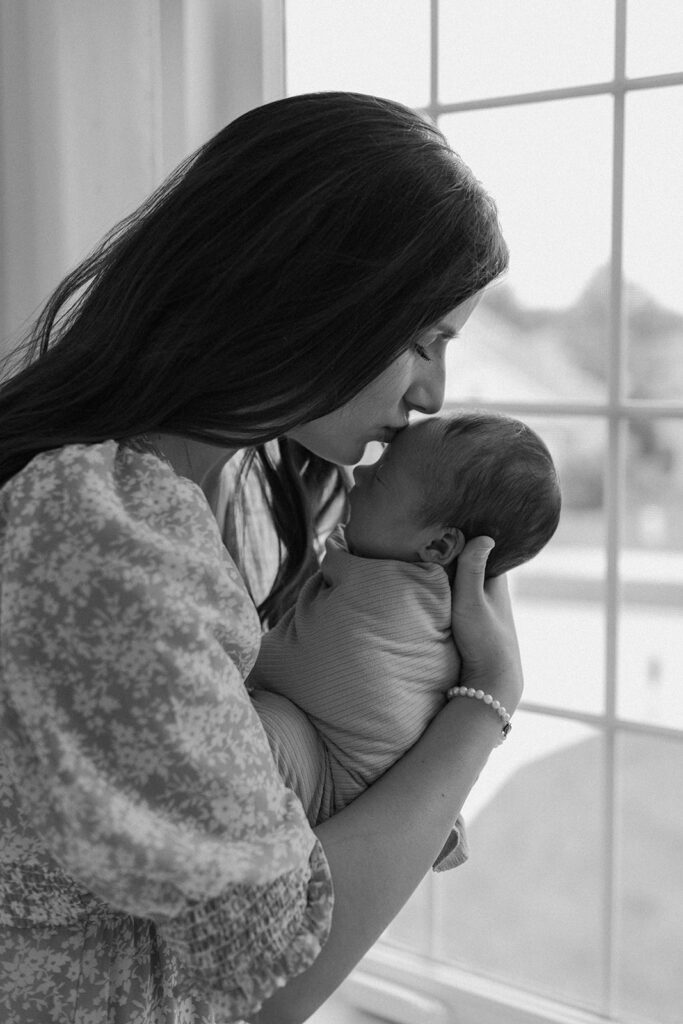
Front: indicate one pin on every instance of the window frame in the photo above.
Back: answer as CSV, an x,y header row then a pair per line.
x,y
380,983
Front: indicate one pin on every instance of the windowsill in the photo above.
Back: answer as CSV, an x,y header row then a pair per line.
x,y
392,985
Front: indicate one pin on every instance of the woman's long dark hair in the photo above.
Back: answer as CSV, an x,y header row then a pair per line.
x,y
306,496
268,280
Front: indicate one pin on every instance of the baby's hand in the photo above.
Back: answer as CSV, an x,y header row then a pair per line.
x,y
484,628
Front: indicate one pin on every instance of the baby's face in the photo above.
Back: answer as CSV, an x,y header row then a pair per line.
x,y
384,519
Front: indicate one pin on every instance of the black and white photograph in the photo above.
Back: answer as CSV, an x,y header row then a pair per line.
x,y
341,511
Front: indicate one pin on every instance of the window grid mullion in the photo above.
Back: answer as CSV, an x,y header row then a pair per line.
x,y
614,492
598,721
628,410
433,55
613,86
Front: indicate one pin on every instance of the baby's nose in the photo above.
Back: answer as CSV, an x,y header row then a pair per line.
x,y
359,473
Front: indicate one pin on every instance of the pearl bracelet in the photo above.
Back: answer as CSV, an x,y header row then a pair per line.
x,y
469,691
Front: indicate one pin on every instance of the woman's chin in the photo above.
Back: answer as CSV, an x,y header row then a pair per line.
x,y
346,454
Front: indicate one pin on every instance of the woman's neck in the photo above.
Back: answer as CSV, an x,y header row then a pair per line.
x,y
189,458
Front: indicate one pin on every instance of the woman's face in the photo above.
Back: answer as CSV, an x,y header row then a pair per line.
x,y
414,381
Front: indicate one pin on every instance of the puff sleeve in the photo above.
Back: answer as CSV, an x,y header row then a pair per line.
x,y
142,770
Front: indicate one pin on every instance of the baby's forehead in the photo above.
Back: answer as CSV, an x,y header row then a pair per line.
x,y
421,436
418,449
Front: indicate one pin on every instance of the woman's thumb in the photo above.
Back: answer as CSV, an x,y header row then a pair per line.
x,y
472,563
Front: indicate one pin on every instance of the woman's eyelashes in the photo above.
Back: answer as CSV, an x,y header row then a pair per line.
x,y
422,349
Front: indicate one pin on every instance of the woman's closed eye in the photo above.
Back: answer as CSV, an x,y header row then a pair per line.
x,y
422,350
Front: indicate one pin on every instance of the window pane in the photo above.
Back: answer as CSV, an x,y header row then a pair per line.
x,y
649,938
654,498
653,227
654,39
558,596
541,334
495,47
353,45
651,567
527,906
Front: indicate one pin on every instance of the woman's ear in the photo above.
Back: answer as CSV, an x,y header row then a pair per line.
x,y
444,547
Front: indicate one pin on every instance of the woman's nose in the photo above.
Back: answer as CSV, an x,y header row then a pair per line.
x,y
426,394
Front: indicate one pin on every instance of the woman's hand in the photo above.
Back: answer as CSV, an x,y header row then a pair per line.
x,y
484,629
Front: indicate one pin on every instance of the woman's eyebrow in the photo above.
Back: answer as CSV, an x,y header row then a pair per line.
x,y
446,329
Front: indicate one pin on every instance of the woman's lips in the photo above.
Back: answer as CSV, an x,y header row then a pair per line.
x,y
389,433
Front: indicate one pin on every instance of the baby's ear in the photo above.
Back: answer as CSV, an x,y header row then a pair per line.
x,y
444,547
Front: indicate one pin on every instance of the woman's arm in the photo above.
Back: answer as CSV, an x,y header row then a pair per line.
x,y
381,846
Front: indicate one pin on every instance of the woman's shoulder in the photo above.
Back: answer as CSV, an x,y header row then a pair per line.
x,y
104,471
107,482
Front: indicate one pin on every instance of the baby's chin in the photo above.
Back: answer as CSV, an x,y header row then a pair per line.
x,y
355,543
350,538
385,551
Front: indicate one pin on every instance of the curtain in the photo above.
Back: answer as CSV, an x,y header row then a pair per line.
x,y
99,100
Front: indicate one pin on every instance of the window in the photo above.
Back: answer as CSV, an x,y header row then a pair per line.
x,y
571,906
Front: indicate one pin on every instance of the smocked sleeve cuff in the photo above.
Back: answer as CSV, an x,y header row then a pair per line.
x,y
248,942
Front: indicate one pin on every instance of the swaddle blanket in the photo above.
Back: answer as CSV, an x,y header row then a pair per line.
x,y
367,655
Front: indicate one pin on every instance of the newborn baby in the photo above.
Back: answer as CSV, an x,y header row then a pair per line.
x,y
367,654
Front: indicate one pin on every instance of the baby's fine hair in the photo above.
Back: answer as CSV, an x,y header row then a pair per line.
x,y
492,475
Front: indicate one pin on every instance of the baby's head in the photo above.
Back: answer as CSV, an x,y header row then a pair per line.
x,y
447,479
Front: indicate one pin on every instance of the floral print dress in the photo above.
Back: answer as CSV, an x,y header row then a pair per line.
x,y
153,868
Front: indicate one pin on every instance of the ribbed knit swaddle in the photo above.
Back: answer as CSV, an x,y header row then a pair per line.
x,y
367,654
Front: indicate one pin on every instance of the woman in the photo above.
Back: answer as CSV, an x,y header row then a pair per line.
x,y
298,279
